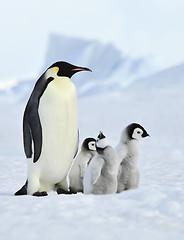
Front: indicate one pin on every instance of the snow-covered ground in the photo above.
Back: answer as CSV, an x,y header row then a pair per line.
x,y
154,211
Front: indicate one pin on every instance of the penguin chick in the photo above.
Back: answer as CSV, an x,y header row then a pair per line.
x,y
128,151
101,174
88,150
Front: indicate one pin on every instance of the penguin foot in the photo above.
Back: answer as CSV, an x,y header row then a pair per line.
x,y
40,194
62,191
72,191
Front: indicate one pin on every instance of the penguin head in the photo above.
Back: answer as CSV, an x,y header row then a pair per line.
x,y
64,69
101,142
89,144
136,131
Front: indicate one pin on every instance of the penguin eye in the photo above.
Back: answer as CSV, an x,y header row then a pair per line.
x,y
138,132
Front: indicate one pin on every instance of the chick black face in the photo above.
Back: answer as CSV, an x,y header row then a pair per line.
x,y
89,144
101,143
100,135
67,70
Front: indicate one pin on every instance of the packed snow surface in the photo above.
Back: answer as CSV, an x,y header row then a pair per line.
x,y
153,211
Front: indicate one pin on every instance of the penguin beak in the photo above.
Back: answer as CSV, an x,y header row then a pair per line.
x,y
145,135
77,69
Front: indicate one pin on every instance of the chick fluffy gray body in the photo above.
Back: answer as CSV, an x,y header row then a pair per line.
x,y
128,152
76,175
101,175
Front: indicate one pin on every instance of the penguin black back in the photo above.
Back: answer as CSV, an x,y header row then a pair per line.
x,y
32,130
31,121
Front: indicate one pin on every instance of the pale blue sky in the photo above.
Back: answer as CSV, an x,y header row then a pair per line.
x,y
153,29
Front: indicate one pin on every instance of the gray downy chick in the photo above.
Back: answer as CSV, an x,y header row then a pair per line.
x,y
76,174
101,174
128,151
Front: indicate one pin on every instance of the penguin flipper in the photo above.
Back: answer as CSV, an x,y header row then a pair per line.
x,y
32,131
36,132
27,136
96,171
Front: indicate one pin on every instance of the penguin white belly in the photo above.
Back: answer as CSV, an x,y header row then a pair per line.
x,y
59,121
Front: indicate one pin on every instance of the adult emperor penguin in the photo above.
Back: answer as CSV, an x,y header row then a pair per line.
x,y
88,150
51,122
101,174
128,151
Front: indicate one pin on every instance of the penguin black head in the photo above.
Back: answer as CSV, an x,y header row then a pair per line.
x,y
136,131
100,135
65,69
101,143
89,144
